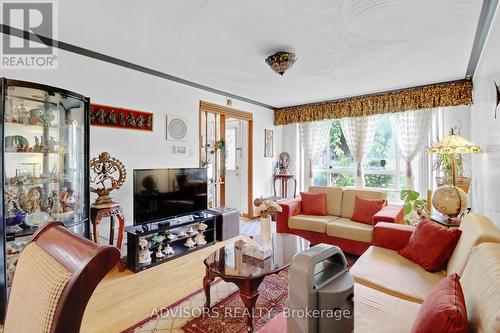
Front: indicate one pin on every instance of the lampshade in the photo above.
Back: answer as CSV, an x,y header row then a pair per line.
x,y
455,144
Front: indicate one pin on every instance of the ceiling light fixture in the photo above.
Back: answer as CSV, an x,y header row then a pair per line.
x,y
281,61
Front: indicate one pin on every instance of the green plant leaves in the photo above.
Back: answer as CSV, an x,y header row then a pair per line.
x,y
407,208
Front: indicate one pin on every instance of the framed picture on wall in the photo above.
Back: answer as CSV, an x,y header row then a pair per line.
x,y
268,142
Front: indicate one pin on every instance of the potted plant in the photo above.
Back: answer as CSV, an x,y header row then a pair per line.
x,y
443,164
414,207
221,145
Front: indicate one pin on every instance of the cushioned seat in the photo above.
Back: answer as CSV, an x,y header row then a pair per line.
x,y
311,222
481,285
476,229
378,312
345,228
387,271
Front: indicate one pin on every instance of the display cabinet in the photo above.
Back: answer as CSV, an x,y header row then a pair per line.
x,y
45,166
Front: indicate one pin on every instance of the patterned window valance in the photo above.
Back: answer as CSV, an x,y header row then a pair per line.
x,y
424,97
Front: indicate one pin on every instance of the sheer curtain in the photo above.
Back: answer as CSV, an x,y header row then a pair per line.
x,y
314,136
411,130
359,133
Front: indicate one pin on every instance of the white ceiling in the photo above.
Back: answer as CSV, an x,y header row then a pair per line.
x,y
344,48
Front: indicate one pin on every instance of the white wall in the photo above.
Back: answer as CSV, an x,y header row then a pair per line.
x,y
113,85
485,129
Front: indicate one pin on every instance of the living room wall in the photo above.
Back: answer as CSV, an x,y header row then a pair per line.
x,y
485,128
112,85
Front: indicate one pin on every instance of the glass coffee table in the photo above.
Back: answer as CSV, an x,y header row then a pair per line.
x,y
231,265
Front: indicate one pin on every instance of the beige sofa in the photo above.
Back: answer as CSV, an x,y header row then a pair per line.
x,y
389,289
336,227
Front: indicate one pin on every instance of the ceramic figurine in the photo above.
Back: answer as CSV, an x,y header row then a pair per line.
x,y
66,199
32,201
169,250
48,117
52,145
202,226
54,203
14,214
35,117
200,239
22,148
9,115
171,236
22,114
37,147
143,243
284,163
182,234
158,239
190,230
144,256
190,243
159,254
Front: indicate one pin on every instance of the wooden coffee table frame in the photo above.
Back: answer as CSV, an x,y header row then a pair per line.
x,y
248,285
249,290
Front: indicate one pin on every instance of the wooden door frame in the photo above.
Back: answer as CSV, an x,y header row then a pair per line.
x,y
229,112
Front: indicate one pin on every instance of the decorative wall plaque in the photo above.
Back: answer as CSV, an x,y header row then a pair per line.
x,y
111,116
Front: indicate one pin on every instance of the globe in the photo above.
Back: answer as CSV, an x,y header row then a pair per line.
x,y
449,200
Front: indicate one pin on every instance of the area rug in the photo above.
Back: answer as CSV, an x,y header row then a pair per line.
x,y
227,314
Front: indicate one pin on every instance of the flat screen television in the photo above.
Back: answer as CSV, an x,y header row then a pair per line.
x,y
160,194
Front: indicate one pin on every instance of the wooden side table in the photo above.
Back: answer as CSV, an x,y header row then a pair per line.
x,y
115,212
284,184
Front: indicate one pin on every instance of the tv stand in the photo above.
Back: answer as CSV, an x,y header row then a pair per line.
x,y
173,233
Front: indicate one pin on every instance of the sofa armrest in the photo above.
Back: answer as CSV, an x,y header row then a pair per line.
x,y
391,236
390,213
289,208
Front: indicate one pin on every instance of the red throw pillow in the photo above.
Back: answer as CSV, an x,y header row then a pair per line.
x,y
443,311
364,209
313,203
431,245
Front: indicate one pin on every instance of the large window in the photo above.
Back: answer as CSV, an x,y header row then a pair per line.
x,y
383,167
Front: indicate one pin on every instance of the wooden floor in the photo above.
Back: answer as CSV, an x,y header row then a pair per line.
x,y
123,299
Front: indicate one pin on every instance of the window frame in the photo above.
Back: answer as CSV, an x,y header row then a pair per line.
x,y
396,172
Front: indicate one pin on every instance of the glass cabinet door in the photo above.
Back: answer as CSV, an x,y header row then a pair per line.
x,y
44,163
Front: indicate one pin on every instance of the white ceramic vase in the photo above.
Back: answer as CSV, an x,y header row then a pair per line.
x,y
265,228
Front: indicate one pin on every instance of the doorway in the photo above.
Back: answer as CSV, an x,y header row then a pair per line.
x,y
237,164
226,151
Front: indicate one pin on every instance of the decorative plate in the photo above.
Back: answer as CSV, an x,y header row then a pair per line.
x,y
177,129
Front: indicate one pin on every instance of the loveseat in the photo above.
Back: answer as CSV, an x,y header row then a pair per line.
x,y
389,289
336,227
